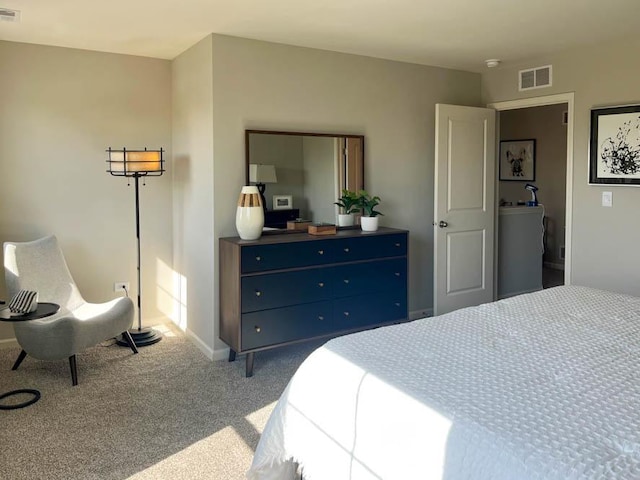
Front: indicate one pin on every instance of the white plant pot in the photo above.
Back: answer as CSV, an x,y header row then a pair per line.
x,y
249,214
346,219
369,224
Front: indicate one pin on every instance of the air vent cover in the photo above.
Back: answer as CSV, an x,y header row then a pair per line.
x,y
7,15
539,77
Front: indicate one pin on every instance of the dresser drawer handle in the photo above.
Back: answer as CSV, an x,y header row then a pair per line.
x,y
321,284
258,258
320,252
320,317
346,280
397,244
397,274
346,314
258,329
346,250
258,293
397,304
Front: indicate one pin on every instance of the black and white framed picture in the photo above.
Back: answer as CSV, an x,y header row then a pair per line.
x,y
518,160
282,202
614,155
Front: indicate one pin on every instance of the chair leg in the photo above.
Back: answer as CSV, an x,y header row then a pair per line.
x,y
127,336
19,360
74,370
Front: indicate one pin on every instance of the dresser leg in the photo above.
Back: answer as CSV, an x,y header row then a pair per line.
x,y
232,355
249,365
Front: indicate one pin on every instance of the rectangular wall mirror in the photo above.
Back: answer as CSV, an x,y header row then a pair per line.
x,y
304,173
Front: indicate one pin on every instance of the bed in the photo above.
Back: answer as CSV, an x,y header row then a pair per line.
x,y
540,386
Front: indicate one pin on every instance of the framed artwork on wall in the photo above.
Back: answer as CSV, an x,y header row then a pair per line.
x,y
518,160
614,154
282,202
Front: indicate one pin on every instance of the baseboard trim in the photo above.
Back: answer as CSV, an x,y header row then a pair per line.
x,y
8,343
211,354
204,348
554,266
221,354
422,313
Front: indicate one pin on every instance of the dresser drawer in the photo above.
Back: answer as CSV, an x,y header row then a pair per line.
x,y
363,247
260,258
273,290
366,310
281,325
374,276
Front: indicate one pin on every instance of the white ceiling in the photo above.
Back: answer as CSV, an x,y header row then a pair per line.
x,y
454,33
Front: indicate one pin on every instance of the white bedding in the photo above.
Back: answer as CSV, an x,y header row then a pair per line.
x,y
540,386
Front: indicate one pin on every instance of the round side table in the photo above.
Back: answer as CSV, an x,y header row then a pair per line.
x,y
44,310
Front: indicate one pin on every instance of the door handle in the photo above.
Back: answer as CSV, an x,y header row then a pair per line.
x,y
443,224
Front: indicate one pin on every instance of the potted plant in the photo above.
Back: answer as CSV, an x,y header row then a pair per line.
x,y
369,219
348,202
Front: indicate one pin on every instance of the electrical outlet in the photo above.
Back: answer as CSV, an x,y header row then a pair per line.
x,y
120,287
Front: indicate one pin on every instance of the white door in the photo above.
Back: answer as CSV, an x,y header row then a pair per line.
x,y
464,207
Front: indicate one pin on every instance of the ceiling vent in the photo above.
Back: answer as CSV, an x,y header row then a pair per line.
x,y
539,77
7,15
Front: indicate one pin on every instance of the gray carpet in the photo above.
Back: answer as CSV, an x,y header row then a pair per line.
x,y
167,412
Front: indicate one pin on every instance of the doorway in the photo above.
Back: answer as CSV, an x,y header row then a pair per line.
x,y
529,118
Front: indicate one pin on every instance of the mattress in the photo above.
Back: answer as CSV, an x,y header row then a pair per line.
x,y
540,386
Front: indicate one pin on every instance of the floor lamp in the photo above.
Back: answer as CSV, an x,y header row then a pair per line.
x,y
137,164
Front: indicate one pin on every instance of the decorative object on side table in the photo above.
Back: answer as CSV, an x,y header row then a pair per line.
x,y
615,146
250,213
137,164
518,160
369,219
348,202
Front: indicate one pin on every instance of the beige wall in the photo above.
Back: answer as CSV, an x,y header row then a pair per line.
x,y
61,108
605,240
263,85
193,240
544,124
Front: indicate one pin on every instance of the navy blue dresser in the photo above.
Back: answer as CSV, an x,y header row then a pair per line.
x,y
288,288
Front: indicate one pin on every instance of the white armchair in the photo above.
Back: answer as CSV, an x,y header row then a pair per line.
x,y
40,265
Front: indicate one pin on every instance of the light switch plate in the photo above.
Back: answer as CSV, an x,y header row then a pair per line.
x,y
607,199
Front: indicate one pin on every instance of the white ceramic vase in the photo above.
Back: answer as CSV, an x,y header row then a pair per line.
x,y
369,224
249,214
346,219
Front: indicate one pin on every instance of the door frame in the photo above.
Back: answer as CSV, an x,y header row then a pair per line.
x,y
567,98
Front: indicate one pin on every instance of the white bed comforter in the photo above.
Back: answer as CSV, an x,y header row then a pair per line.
x,y
540,386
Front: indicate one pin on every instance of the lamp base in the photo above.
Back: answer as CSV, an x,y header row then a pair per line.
x,y
261,188
141,337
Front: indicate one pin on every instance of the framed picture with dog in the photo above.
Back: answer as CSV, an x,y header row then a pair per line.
x,y
518,160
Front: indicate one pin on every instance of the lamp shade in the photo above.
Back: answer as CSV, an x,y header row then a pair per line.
x,y
131,163
259,173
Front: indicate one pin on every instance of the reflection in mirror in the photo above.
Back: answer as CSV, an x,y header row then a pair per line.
x,y
311,168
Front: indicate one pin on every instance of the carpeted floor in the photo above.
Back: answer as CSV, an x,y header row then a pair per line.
x,y
167,412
